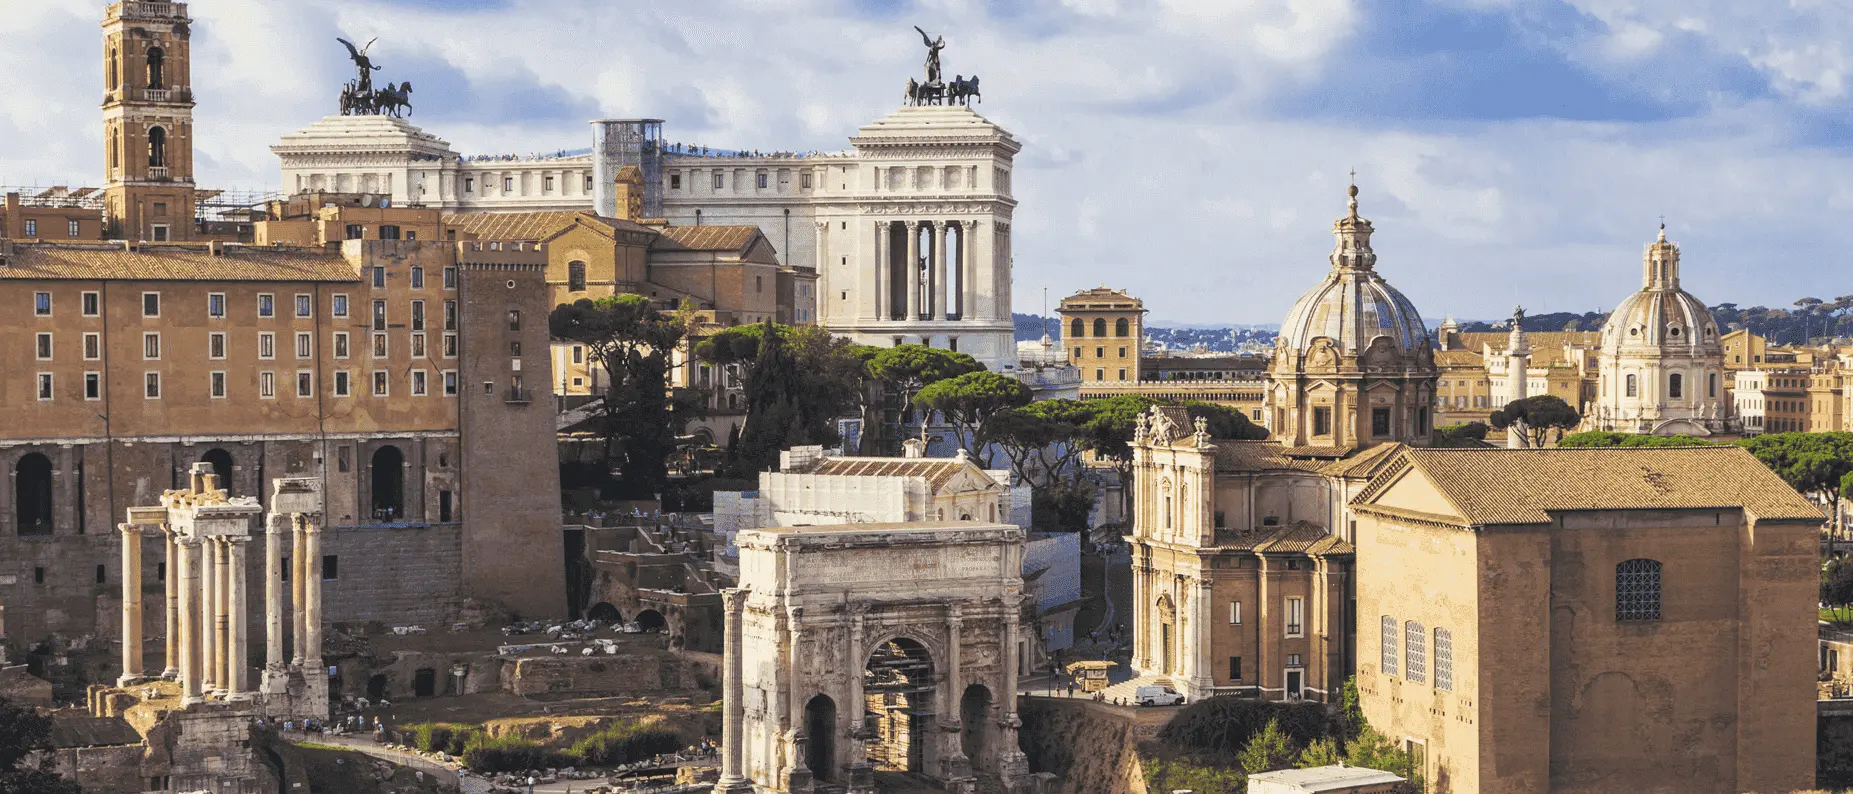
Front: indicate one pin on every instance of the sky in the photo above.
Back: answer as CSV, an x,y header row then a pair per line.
x,y
1193,152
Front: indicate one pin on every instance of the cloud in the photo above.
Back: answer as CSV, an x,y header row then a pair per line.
x,y
1193,151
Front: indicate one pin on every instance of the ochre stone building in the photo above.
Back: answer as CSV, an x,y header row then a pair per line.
x,y
148,121
1104,330
1590,620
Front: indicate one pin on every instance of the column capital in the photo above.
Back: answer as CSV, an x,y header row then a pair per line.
x,y
187,540
912,225
129,529
237,540
733,599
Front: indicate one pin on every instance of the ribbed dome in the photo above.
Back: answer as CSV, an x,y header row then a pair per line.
x,y
1353,305
1661,317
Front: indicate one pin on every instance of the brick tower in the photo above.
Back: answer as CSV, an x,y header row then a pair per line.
x,y
148,122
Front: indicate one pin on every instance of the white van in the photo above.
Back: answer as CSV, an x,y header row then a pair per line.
x,y
1158,696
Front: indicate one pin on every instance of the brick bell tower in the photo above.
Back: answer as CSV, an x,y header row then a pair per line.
x,y
148,122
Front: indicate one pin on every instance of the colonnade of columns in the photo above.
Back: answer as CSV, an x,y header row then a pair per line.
x,y
928,275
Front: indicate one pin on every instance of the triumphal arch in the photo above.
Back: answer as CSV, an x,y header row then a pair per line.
x,y
863,651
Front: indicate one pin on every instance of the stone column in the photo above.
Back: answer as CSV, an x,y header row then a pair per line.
x,y
1011,763
274,660
189,620
1202,627
913,271
820,257
222,631
131,604
312,598
172,605
298,576
733,778
237,655
957,765
879,300
861,776
968,281
207,621
939,310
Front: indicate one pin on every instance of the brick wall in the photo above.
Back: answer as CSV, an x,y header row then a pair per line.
x,y
398,576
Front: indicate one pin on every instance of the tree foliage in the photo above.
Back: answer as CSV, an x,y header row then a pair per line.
x,y
906,369
1533,418
1225,422
1040,439
23,730
1817,464
632,341
1837,589
970,402
1268,750
1605,438
798,380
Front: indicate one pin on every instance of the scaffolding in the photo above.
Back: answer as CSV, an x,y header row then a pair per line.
x,y
89,198
620,142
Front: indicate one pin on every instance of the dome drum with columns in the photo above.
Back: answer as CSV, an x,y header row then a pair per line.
x,y
1352,365
1662,365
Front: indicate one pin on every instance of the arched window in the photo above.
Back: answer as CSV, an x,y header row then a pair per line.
x,y
1077,329
1390,655
112,68
1637,590
32,495
115,147
157,147
1415,652
157,68
1675,385
1121,327
221,465
1444,660
1711,385
575,276
1634,389
1100,326
388,467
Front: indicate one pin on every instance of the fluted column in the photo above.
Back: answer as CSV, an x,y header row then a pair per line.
x,y
879,300
298,576
913,270
733,698
237,655
190,685
273,595
312,589
207,621
939,310
172,603
955,699
131,604
968,280
222,637
860,774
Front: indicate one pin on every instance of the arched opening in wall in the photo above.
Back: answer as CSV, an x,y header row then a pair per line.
x,y
651,620
157,147
897,687
820,737
1675,386
32,495
1077,329
388,483
975,726
376,686
1100,326
157,68
1122,327
221,465
424,682
604,612
112,68
1167,632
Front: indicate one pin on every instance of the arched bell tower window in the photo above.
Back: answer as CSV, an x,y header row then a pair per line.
x,y
157,147
112,68
157,68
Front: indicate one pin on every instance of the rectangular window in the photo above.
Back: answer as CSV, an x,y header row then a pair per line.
x,y
304,344
339,304
215,344
1322,420
341,383
93,304
43,347
266,345
450,278
546,184
508,184
514,319
1235,613
469,185
32,227
93,385
151,385
418,345
579,358
418,383
418,315
1389,652
218,384
73,229
1379,421
151,304
514,348
151,346
379,383
418,277
450,383
305,383
717,180
340,344
355,231
450,345
1444,660
41,304
331,567
379,277
760,180
379,345
1296,617
379,315
450,315
267,385
1415,652
44,386
675,181
215,305
305,307
389,232
266,305
804,181
1235,668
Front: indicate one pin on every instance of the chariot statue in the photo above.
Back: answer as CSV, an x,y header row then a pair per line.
x,y
360,98
936,91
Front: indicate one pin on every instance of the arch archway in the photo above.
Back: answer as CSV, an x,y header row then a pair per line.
x,y
897,687
32,495
603,611
388,482
1167,632
820,737
651,620
221,465
975,726
157,147
157,68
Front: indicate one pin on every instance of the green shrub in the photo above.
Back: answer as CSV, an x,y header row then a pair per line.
x,y
1172,774
510,754
625,743
446,737
1222,726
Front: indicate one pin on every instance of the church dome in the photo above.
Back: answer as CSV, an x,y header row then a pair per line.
x,y
1353,306
1661,317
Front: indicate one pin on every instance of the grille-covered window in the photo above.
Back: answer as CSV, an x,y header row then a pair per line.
x,y
1415,652
1637,590
1390,654
1444,660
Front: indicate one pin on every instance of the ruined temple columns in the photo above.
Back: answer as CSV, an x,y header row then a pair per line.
x,y
733,698
131,604
273,596
312,597
298,576
189,620
237,678
206,622
170,540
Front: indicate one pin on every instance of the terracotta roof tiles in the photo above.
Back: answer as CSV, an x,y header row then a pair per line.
x,y
526,226
936,471
177,262
706,238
